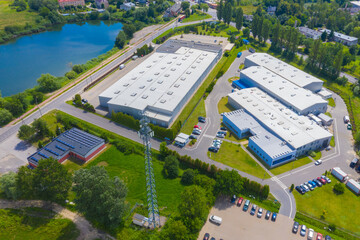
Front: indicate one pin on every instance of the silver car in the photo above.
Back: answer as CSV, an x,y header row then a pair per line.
x,y
303,230
260,212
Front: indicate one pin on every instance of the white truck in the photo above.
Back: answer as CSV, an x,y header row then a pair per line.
x,y
354,186
346,119
215,219
339,174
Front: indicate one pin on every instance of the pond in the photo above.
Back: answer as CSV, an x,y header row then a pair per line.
x,y
23,60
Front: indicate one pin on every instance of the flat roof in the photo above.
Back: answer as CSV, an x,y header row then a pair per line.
x,y
340,35
161,81
283,89
296,130
293,74
324,117
306,30
356,3
269,143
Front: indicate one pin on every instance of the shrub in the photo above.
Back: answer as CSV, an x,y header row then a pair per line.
x,y
171,167
70,75
339,188
188,177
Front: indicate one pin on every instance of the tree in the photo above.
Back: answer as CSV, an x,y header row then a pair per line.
x,y
8,185
193,207
220,9
26,132
99,197
24,182
120,40
227,13
187,13
331,35
171,167
228,183
51,180
323,36
129,30
174,230
188,177
48,83
239,18
292,187
41,128
5,116
246,33
204,7
70,75
185,5
339,188
266,30
193,8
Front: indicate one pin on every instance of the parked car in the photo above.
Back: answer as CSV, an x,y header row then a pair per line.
x,y
295,227
310,234
303,230
358,169
260,212
253,209
223,128
206,236
223,132
354,162
349,126
323,181
196,126
328,180
240,201
192,136
251,50
273,217
312,183
196,132
84,101
327,237
215,219
212,238
299,189
319,236
309,186
233,199
219,135
202,119
267,215
246,205
305,187
318,162
318,183
213,149
239,54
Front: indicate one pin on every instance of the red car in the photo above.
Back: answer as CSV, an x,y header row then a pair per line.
x,y
196,126
240,201
323,181
319,236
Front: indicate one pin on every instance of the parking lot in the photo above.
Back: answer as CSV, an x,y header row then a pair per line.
x,y
237,224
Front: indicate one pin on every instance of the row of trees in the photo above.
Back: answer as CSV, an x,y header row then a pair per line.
x,y
227,12
97,196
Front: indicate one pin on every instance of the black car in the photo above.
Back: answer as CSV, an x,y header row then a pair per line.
x,y
253,209
318,183
223,128
299,189
202,119
213,149
212,238
251,50
273,217
295,227
206,236
358,169
268,214
327,237
192,137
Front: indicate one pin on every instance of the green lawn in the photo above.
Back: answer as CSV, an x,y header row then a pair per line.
x,y
34,223
332,141
224,106
291,165
196,17
9,16
193,119
234,156
131,169
328,114
341,210
331,102
318,155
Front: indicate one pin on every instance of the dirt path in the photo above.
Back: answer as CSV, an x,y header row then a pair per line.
x,y
87,231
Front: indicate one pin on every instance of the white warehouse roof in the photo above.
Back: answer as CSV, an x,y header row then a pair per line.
x,y
287,92
159,84
296,130
294,75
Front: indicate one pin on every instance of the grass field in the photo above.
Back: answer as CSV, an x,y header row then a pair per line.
x,y
196,17
34,223
332,141
193,119
291,165
234,156
9,16
318,155
331,102
131,169
341,210
224,106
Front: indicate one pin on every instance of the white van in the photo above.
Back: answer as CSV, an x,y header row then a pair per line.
x,y
121,66
215,219
346,119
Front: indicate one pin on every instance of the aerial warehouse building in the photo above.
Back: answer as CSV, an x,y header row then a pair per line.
x,y
298,99
284,135
162,84
290,73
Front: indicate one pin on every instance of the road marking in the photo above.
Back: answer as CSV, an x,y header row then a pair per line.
x,y
276,179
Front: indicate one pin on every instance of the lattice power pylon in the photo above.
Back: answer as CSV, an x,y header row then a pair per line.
x,y
145,133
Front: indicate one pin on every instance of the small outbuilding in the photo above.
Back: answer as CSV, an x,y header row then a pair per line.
x,y
354,186
315,118
182,139
324,94
325,119
139,220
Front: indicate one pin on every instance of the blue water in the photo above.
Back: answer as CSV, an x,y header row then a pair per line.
x,y
23,61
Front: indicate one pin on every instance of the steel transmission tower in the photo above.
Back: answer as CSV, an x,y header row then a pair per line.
x,y
145,133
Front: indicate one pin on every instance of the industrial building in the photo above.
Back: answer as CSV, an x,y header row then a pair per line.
x,y
290,73
161,85
298,99
342,38
309,33
297,135
72,143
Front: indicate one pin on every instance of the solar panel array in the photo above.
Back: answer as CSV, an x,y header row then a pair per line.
x,y
43,155
65,143
53,152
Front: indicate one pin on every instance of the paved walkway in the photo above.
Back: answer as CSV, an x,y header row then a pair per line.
x,y
87,231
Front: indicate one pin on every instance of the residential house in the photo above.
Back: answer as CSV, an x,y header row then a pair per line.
x,y
64,3
127,6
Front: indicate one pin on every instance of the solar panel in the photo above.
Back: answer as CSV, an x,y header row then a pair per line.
x,y
43,155
65,143
33,158
53,152
77,140
83,137
62,149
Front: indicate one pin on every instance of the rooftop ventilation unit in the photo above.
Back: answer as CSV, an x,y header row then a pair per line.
x,y
133,94
188,72
162,100
183,78
117,92
126,84
160,81
134,78
141,72
161,56
175,57
177,85
280,123
187,55
193,67
142,87
162,68
173,69
152,89
157,73
204,54
170,93
149,80
148,66
169,62
201,58
167,75
179,64
144,97
154,61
